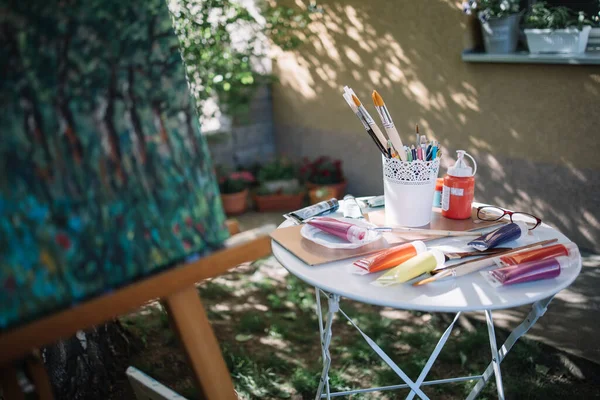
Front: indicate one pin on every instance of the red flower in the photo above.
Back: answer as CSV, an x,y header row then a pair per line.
x,y
176,229
200,227
187,245
326,172
188,221
146,234
63,240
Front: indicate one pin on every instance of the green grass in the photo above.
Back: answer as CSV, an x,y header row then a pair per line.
x,y
269,335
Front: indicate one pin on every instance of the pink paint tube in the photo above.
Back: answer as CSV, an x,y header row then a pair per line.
x,y
389,258
341,229
542,253
531,271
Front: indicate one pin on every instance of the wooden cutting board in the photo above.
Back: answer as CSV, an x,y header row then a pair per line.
x,y
315,254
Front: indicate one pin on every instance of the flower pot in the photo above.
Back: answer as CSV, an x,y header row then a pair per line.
x,y
500,35
322,193
338,190
282,184
594,40
570,40
235,203
278,202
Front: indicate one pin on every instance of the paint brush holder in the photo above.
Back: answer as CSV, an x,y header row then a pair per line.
x,y
408,189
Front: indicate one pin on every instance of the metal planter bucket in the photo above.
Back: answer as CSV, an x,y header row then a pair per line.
x,y
500,35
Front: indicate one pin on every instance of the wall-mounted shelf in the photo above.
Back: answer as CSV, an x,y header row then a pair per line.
x,y
589,58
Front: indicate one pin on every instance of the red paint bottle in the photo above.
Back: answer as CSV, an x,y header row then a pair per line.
x,y
459,188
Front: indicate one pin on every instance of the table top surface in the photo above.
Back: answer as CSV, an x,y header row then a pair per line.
x,y
467,293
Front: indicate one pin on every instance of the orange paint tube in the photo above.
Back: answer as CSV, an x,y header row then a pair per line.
x,y
542,253
388,258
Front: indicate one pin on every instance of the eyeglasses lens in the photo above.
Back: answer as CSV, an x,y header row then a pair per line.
x,y
490,213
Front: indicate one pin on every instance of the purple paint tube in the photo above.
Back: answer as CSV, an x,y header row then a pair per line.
x,y
531,271
341,229
506,233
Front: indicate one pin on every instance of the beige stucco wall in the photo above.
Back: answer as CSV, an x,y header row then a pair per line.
x,y
532,128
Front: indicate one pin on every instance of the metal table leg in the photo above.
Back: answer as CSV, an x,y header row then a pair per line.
x,y
434,356
333,307
495,358
537,310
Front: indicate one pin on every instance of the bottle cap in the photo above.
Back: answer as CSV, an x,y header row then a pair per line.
x,y
439,257
571,248
461,169
572,259
419,246
439,184
524,228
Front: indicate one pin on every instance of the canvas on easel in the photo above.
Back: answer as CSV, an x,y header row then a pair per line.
x,y
104,175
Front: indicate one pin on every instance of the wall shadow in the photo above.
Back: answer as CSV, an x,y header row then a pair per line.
x,y
532,128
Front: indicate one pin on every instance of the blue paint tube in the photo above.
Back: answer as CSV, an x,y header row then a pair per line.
x,y
506,233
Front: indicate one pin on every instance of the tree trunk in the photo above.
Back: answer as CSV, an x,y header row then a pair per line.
x,y
191,134
138,138
89,365
68,127
104,116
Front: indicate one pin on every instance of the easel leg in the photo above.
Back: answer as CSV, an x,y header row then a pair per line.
x,y
10,384
39,376
190,321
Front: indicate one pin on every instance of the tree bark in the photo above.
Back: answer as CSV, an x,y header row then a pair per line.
x,y
191,134
90,364
104,116
138,138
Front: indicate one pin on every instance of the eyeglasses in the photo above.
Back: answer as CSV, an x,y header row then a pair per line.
x,y
491,213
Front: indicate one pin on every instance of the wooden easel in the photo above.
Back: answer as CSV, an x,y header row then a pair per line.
x,y
177,290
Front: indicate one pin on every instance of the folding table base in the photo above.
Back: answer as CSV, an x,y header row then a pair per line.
x,y
538,309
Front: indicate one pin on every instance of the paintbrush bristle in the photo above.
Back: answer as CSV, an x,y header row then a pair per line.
x,y
417,128
432,278
356,101
377,99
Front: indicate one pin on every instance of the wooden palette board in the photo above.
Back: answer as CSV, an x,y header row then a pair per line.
x,y
314,254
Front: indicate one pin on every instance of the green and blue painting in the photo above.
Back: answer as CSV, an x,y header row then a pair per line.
x,y
104,175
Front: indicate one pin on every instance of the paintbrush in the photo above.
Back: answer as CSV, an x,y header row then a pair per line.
x,y
369,120
467,267
464,254
425,232
388,124
348,97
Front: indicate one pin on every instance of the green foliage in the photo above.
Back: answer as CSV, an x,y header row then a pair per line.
x,y
278,169
235,182
265,191
486,9
543,16
216,64
253,322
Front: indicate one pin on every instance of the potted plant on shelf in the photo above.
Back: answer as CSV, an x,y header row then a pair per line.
x,y
279,186
499,23
234,191
556,29
277,175
280,200
594,38
324,173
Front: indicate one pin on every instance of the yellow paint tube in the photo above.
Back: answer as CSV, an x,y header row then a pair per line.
x,y
418,265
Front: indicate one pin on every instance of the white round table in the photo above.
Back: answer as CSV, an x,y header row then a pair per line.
x,y
466,293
